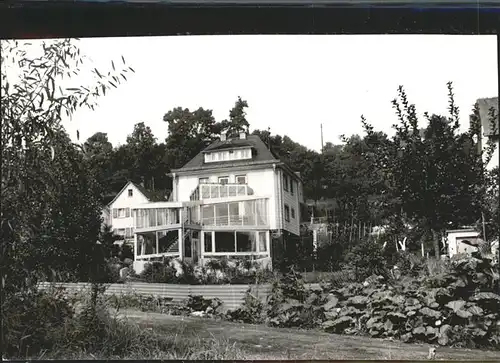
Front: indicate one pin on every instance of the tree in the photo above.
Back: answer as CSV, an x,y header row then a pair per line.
x,y
33,102
435,175
141,146
71,221
188,133
107,238
237,119
99,152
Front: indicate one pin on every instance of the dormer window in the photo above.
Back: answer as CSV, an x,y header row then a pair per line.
x,y
228,155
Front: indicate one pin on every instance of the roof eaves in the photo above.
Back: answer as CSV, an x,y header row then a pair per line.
x,y
206,167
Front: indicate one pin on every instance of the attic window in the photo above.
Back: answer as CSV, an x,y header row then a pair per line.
x,y
130,192
228,155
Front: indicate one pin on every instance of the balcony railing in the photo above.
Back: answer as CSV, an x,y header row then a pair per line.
x,y
216,190
240,213
156,217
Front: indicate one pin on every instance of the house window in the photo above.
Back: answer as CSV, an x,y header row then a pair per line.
x,y
291,186
223,180
208,241
224,242
121,212
241,179
203,180
129,232
293,213
287,213
245,242
262,239
285,182
130,192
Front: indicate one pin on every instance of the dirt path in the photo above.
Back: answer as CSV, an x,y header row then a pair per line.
x,y
261,342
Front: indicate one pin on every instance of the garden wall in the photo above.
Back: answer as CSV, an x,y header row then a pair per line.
x,y
231,295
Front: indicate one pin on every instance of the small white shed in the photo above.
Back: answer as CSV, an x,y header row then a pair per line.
x,y
464,240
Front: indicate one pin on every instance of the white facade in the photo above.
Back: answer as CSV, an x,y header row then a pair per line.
x,y
120,210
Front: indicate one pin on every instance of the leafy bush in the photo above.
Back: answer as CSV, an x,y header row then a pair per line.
x,y
291,305
251,312
454,307
158,272
367,259
215,272
199,304
410,264
29,318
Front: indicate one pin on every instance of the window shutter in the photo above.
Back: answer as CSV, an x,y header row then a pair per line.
x,y
127,212
115,213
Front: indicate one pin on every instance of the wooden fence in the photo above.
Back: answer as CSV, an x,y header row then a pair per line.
x,y
232,296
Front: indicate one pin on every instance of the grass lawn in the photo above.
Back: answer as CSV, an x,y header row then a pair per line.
x,y
261,342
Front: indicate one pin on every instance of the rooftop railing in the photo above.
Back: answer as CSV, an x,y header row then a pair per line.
x,y
217,190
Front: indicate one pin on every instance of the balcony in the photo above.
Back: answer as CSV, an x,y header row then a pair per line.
x,y
249,213
216,190
151,218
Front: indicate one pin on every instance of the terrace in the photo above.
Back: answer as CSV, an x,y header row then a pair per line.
x,y
230,215
218,190
156,216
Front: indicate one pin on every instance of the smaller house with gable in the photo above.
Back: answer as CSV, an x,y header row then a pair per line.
x,y
118,213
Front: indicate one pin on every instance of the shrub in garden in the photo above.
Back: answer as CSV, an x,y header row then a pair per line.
x,y
29,318
197,303
215,272
409,264
291,305
158,272
252,311
367,259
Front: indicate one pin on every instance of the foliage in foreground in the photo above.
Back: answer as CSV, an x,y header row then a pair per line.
x,y
52,325
453,305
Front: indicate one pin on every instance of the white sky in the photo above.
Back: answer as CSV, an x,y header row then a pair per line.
x,y
292,83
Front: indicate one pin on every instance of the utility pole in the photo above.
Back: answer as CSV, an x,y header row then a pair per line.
x,y
321,125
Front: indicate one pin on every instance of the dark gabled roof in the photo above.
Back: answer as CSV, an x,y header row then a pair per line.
x,y
108,198
152,196
260,155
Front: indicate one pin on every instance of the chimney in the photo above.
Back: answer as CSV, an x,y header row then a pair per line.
x,y
223,136
243,135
